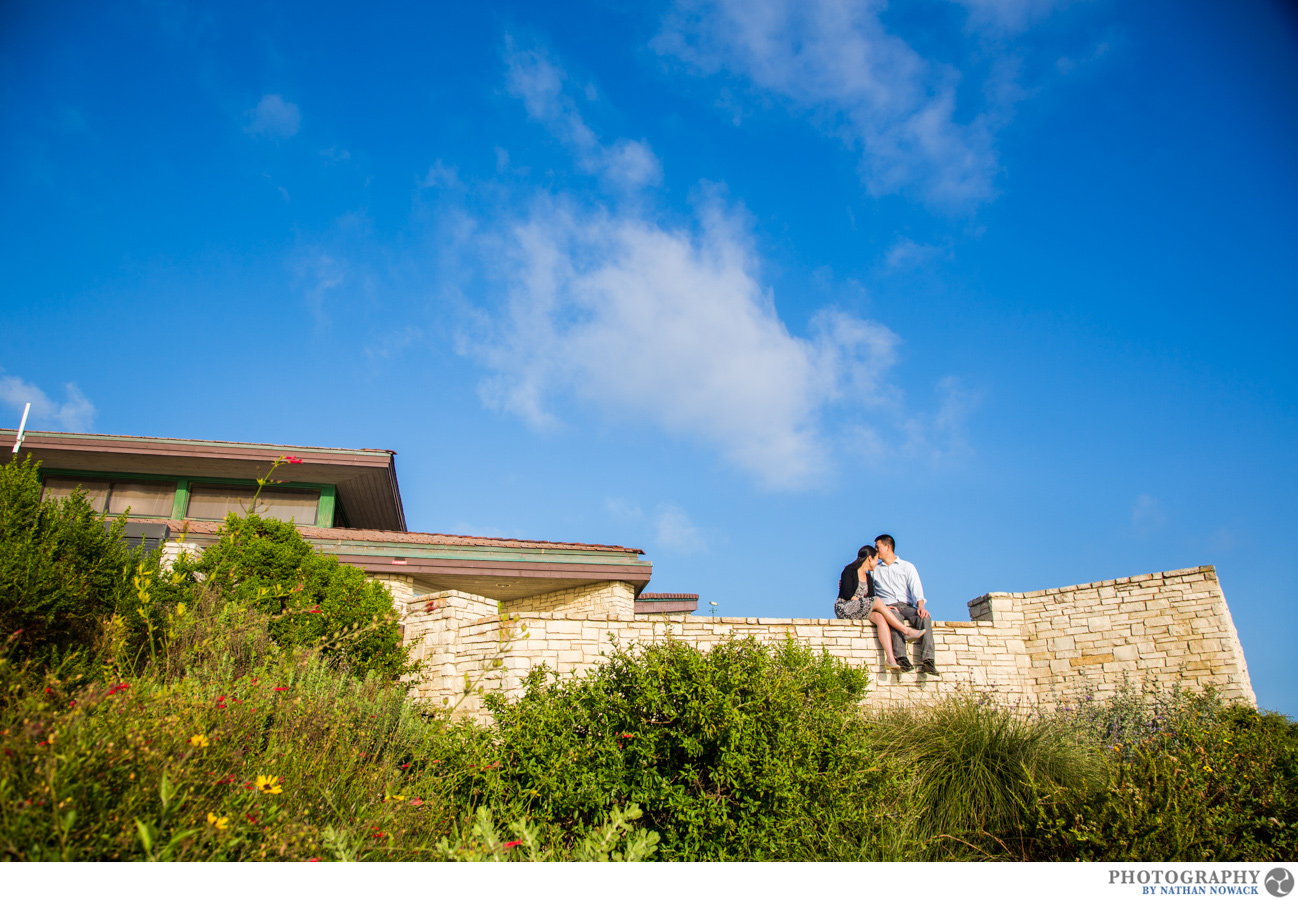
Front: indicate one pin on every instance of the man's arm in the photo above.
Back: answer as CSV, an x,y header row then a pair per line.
x,y
916,591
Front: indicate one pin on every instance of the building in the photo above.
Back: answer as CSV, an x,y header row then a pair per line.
x,y
346,502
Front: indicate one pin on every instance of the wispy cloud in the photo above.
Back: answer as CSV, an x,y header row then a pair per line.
x,y
318,273
676,531
1147,515
273,117
76,413
539,83
836,61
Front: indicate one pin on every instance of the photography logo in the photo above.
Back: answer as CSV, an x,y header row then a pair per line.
x,y
1279,882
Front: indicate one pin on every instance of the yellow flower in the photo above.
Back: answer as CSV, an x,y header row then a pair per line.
x,y
269,784
221,823
1207,768
198,740
397,797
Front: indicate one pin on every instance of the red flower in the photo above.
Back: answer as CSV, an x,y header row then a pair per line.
x,y
293,459
416,802
279,689
512,844
314,859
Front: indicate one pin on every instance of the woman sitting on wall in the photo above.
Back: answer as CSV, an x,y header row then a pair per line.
x,y
856,601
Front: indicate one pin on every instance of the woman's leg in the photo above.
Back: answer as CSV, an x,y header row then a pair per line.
x,y
885,638
894,621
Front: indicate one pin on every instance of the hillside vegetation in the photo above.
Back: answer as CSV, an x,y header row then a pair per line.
x,y
249,705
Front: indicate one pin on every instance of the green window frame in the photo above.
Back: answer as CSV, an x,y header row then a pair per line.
x,y
326,505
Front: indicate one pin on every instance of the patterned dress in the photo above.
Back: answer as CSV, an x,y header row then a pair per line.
x,y
859,606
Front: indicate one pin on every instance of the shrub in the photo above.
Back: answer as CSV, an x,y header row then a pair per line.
x,y
1198,780
61,574
742,752
265,564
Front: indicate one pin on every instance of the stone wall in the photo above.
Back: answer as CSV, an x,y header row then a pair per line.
x,y
1165,628
1162,629
613,598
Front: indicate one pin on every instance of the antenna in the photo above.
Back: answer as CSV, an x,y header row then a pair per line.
x,y
22,426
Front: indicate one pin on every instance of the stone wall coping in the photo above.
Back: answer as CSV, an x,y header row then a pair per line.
x,y
1134,579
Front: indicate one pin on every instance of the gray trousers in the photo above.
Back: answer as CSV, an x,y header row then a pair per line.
x,y
910,615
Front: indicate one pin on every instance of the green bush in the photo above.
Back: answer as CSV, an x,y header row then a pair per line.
x,y
743,752
1198,780
61,574
314,600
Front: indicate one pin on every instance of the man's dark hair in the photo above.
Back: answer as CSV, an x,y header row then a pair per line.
x,y
867,550
887,539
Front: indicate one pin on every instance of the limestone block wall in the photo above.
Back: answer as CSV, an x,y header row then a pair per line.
x,y
971,655
1161,629
616,598
1165,628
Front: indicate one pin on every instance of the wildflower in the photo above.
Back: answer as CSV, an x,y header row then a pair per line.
x,y
399,798
198,740
279,689
512,844
220,823
117,688
269,784
1207,768
294,460
405,765
314,859
416,802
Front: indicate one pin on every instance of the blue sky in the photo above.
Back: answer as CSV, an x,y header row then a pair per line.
x,y
741,284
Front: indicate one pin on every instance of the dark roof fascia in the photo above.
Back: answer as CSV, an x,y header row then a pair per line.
x,y
185,447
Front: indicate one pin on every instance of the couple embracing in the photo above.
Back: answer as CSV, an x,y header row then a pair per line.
x,y
886,590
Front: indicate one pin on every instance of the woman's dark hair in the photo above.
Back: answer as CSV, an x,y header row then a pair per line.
x,y
866,551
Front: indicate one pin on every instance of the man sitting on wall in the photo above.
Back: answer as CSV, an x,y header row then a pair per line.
x,y
896,584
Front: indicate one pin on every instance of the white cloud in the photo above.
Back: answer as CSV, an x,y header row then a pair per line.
x,y
536,81
673,328
835,60
441,175
393,343
908,254
274,117
1147,514
677,532
74,414
318,273
1006,16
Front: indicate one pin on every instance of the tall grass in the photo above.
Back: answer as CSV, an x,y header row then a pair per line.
x,y
975,773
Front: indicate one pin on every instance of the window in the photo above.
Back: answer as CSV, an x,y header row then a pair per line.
x,y
144,499
214,501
